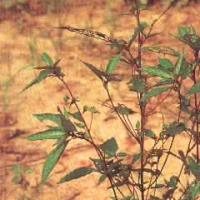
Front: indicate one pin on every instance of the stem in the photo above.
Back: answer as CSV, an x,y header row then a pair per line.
x,y
91,141
142,106
116,111
196,107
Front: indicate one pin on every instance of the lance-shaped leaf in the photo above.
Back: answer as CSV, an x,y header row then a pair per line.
x,y
165,64
104,76
47,59
49,117
195,89
124,110
158,72
67,125
102,178
113,64
161,49
42,75
52,133
179,64
150,134
109,147
77,173
96,71
153,93
52,160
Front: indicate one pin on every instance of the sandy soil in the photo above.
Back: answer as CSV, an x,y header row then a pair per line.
x,y
17,38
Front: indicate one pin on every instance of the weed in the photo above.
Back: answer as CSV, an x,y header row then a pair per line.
x,y
143,177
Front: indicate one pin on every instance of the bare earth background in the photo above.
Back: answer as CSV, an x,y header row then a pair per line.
x,y
27,34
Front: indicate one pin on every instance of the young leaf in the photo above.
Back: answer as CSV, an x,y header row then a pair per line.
x,y
52,160
185,30
154,92
102,179
42,75
47,59
157,72
52,133
91,109
195,89
77,173
113,64
109,147
173,182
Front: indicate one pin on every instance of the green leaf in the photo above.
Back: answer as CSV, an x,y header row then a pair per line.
x,y
76,115
122,154
49,117
91,109
42,75
103,76
47,59
193,193
67,125
165,64
173,182
179,64
175,128
111,67
102,179
188,36
138,85
136,158
195,89
185,30
52,133
186,69
138,125
161,49
52,160
110,147
194,167
77,173
18,171
158,72
95,70
124,110
153,93
150,134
